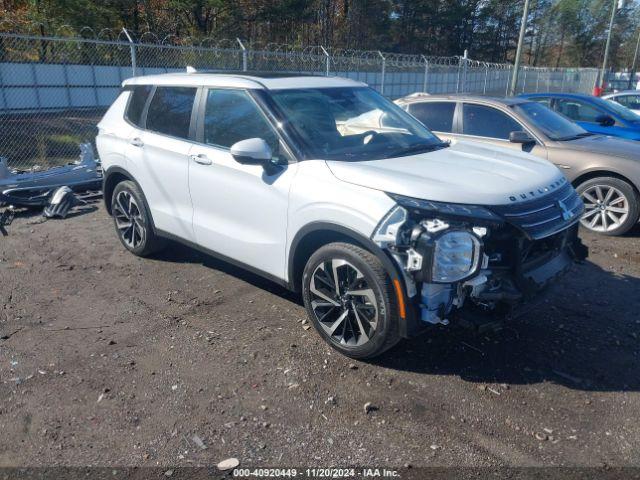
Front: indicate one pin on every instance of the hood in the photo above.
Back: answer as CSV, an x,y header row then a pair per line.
x,y
466,172
610,146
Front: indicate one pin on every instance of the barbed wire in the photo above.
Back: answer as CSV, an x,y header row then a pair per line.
x,y
255,49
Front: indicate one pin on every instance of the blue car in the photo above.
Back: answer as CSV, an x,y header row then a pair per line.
x,y
593,114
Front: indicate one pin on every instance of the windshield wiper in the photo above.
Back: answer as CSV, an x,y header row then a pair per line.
x,y
575,137
420,148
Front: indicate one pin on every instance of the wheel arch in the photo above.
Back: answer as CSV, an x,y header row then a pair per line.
x,y
112,177
603,173
317,234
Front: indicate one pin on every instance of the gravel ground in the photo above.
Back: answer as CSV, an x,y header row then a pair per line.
x,y
109,359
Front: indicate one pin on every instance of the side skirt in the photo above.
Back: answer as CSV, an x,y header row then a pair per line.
x,y
224,258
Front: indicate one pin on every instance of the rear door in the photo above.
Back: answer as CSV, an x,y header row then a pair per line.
x,y
240,211
436,116
160,154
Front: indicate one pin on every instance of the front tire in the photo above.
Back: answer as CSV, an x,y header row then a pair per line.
x,y
611,205
132,220
350,300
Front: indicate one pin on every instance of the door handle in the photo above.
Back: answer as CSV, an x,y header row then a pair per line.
x,y
136,142
201,158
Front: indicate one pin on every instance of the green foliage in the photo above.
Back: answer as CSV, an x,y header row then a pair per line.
x,y
559,33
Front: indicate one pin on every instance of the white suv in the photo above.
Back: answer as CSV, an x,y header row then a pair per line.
x,y
326,187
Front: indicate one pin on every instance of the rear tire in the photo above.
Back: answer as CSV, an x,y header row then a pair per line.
x,y
133,221
611,205
350,300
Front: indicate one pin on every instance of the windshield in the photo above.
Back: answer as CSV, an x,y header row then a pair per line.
x,y
349,123
552,124
617,109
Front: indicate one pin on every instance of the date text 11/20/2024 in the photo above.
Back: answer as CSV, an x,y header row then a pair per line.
x,y
315,472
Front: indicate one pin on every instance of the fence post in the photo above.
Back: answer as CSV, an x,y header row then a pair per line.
x,y
327,60
132,47
244,55
426,73
67,87
506,92
34,74
3,92
562,82
465,67
524,78
384,68
486,75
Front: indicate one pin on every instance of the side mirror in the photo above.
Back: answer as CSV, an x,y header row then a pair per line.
x,y
605,120
521,137
252,151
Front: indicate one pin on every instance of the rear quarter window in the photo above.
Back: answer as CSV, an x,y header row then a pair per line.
x,y
139,95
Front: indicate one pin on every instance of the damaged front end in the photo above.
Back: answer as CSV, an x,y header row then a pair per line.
x,y
463,262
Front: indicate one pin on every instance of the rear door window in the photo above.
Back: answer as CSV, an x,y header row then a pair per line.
x,y
138,99
436,116
483,121
170,111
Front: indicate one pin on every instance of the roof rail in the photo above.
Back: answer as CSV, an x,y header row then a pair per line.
x,y
418,94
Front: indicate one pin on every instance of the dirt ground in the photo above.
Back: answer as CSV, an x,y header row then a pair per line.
x,y
109,359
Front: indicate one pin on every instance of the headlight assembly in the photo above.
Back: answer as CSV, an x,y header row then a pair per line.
x,y
443,209
435,242
449,256
456,256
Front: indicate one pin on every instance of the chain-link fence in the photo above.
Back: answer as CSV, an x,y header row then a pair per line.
x,y
54,89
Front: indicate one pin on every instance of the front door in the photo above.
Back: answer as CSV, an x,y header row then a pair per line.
x,y
487,124
586,115
239,211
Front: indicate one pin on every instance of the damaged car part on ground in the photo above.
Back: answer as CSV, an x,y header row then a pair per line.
x,y
6,217
34,188
62,201
485,259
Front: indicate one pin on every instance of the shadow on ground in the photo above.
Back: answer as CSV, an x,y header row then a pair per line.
x,y
176,252
583,336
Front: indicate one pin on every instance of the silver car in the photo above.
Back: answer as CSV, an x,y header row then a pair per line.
x,y
626,98
604,170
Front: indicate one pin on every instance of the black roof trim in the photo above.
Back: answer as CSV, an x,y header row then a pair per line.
x,y
258,74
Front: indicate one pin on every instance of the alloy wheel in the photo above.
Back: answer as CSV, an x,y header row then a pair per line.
x,y
343,302
606,208
129,219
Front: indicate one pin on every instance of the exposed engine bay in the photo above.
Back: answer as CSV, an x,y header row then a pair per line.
x,y
471,257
